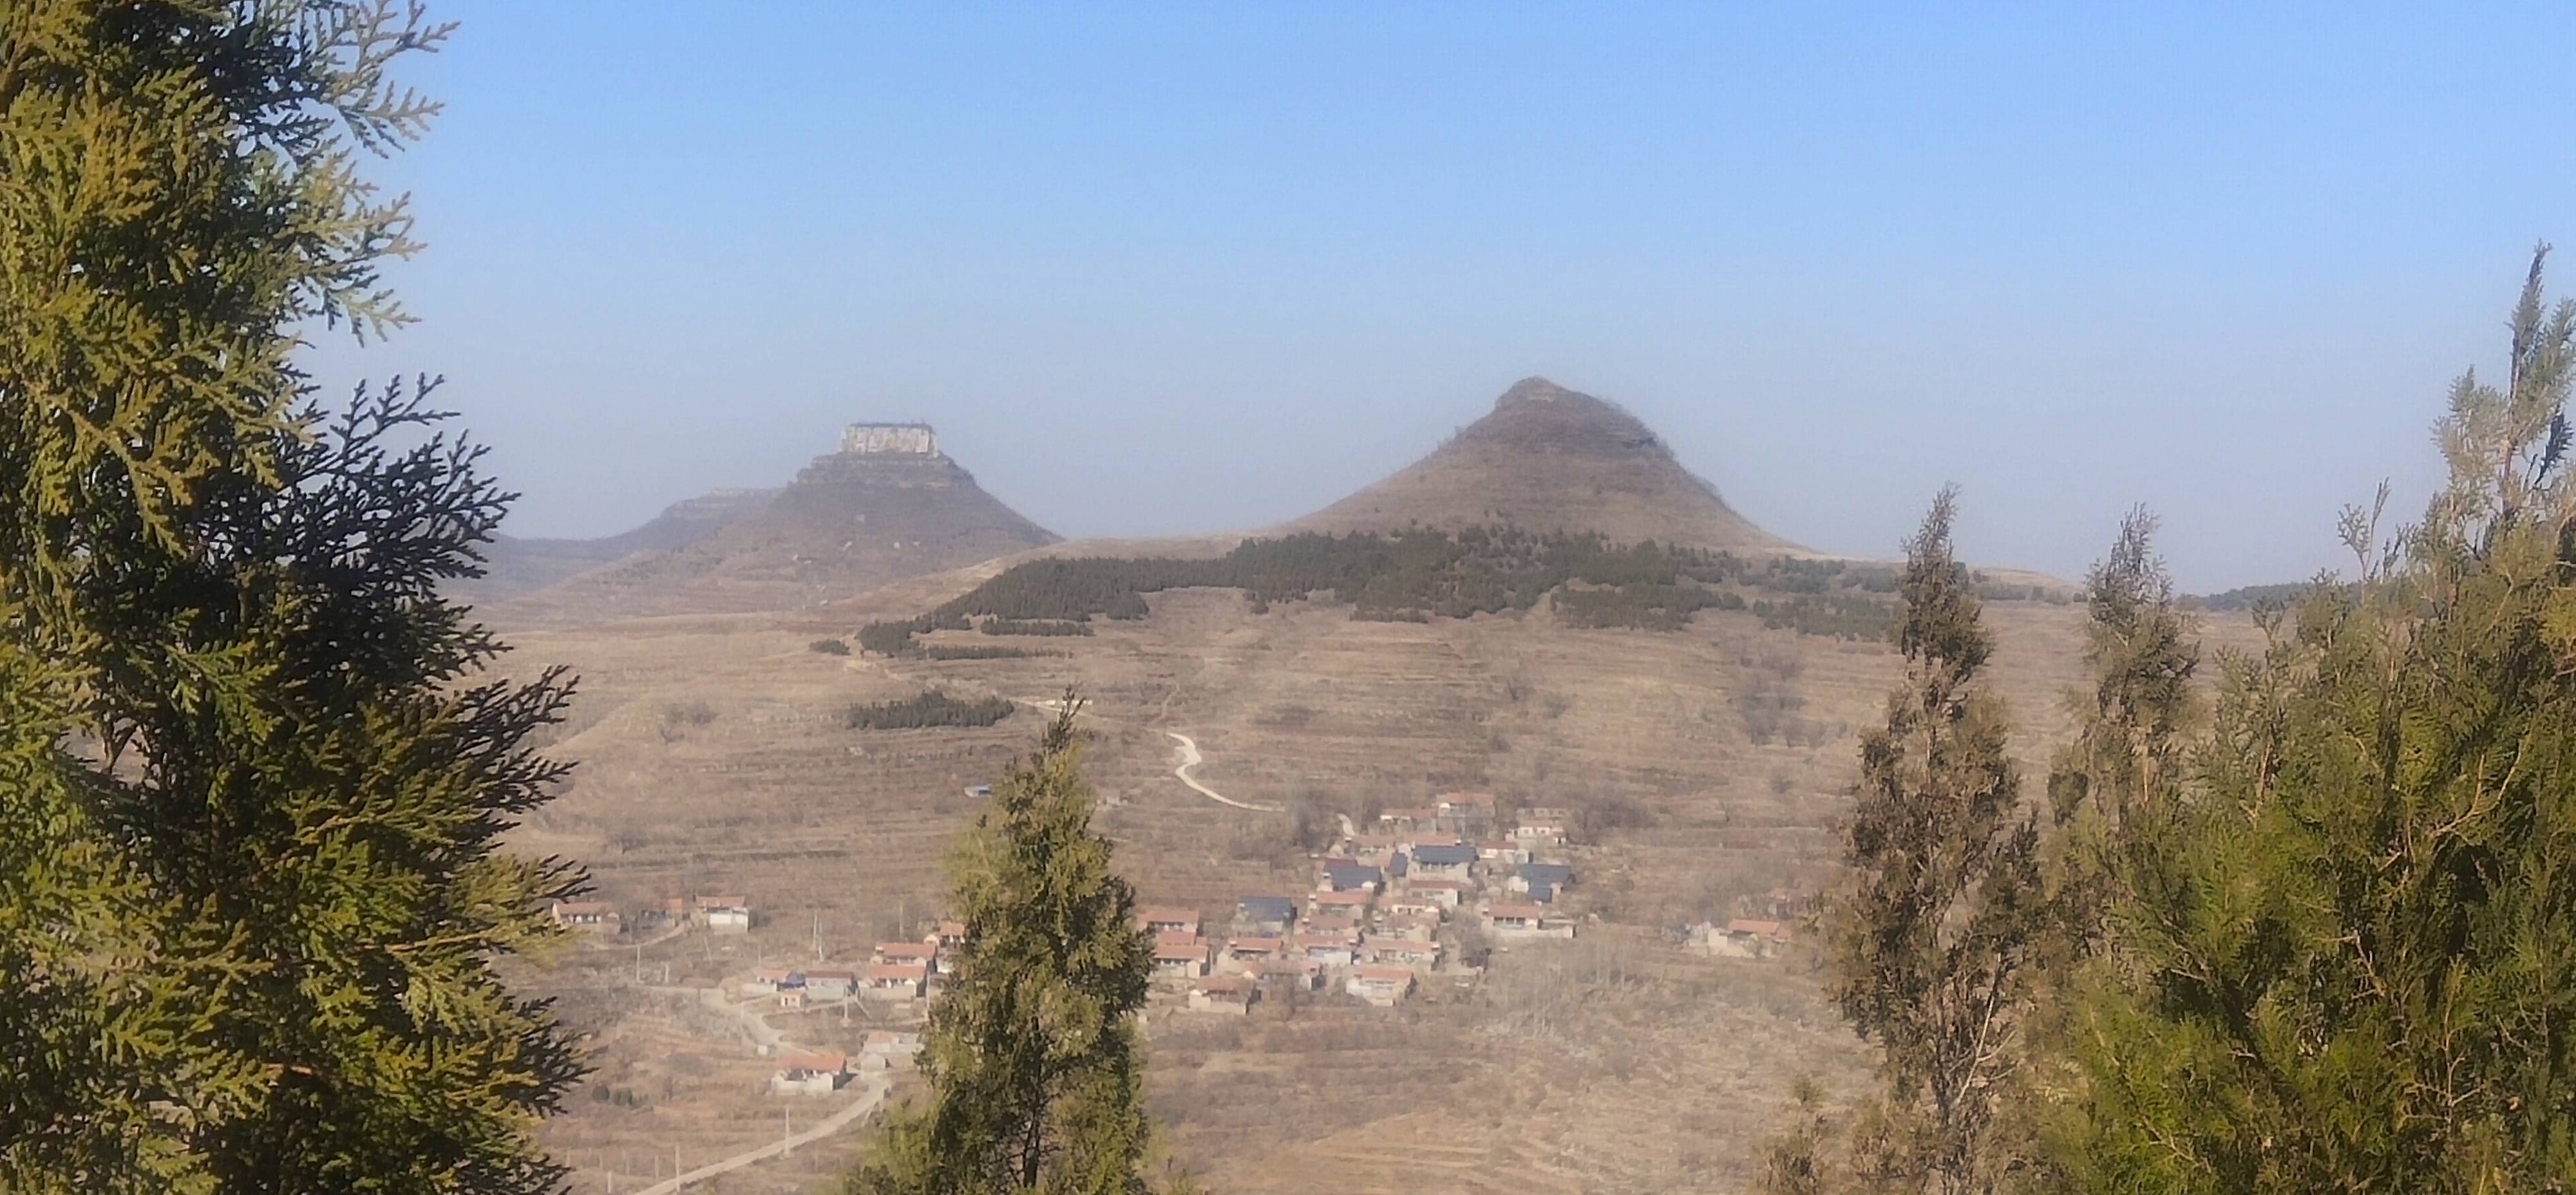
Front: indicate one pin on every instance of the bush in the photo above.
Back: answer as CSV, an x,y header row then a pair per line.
x,y
887,638
829,647
924,710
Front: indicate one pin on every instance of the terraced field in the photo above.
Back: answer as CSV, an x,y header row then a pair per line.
x,y
714,757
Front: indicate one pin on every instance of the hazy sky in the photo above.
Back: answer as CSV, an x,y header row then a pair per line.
x,y
1197,268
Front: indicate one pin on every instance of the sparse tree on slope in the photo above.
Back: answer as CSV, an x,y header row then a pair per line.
x,y
250,887
2349,962
1032,1054
1930,942
2139,647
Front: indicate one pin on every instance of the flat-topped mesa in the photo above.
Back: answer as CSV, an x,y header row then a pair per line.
x,y
883,454
871,439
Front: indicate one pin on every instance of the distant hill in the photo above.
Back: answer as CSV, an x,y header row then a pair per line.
x,y
889,506
1550,459
514,566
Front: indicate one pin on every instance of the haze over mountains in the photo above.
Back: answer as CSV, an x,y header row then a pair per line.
x,y
887,506
891,506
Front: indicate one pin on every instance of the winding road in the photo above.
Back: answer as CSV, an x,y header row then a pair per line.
x,y
1190,759
852,1112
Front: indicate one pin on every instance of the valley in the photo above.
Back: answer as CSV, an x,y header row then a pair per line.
x,y
1703,769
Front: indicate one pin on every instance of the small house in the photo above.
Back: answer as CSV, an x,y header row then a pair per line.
x,y
1502,851
1541,880
888,1049
904,952
1234,994
1464,813
1419,927
1289,974
730,914
1180,956
1168,921
1526,921
895,981
1381,986
1330,950
1746,937
1446,893
589,916
1400,820
947,935
1448,861
1344,875
1356,903
1245,951
1409,905
765,981
791,990
1400,952
1270,913
820,1073
1544,827
830,985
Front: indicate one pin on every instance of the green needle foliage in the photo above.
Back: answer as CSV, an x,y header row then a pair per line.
x,y
2345,960
1032,1052
1931,943
251,891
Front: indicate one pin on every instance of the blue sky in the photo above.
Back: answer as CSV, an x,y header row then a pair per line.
x,y
1167,269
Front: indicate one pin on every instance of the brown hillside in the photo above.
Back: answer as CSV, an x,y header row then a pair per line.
x,y
852,521
1549,459
513,566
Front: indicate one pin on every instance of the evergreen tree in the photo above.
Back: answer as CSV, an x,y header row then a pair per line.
x,y
1032,1052
2140,650
2347,962
1931,940
251,891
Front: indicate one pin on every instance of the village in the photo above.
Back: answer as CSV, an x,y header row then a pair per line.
x,y
1423,896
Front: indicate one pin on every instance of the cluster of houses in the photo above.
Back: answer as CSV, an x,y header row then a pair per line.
x,y
1382,912
823,1072
722,914
898,971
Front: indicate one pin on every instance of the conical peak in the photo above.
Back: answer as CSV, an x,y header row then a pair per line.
x,y
1539,415
1534,389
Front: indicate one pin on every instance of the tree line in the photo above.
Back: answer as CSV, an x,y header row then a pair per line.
x,y
1420,574
926,709
2284,920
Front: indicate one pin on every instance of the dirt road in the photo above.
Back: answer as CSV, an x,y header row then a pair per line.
x,y
1190,759
849,1114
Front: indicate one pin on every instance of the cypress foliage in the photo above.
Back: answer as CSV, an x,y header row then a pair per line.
x,y
251,892
2348,960
1930,944
1032,1054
